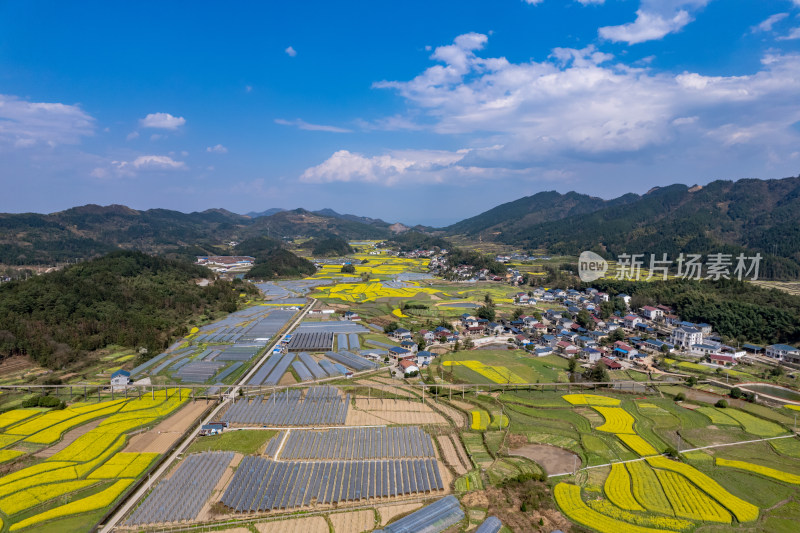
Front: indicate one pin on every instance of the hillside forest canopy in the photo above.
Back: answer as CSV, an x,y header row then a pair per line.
x,y
124,298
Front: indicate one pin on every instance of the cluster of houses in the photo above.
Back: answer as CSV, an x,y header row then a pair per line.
x,y
225,263
646,331
519,258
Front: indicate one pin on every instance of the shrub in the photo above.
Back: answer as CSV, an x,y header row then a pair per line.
x,y
722,404
680,397
671,452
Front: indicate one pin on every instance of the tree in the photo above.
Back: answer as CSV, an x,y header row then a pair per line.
x,y
585,319
390,327
598,373
487,300
486,312
468,344
721,403
518,312
348,269
617,335
456,346
572,364
365,276
691,381
680,397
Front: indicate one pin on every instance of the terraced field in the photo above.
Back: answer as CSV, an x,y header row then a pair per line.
x,y
88,474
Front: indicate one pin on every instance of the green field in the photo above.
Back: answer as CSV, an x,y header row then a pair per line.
x,y
243,441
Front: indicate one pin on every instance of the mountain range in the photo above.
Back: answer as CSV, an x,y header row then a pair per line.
x,y
748,215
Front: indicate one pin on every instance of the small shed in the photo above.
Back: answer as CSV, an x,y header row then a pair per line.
x,y
120,378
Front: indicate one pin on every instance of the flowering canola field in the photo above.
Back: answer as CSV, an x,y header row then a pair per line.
x,y
370,291
91,461
498,374
657,493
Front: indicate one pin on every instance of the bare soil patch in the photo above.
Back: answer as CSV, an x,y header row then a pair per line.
x,y
311,524
16,363
287,379
458,418
376,412
554,460
388,512
353,522
68,438
165,434
506,505
450,454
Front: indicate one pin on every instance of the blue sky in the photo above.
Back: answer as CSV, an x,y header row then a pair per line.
x,y
420,112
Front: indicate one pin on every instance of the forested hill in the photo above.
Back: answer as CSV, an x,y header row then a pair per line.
x,y
125,298
280,263
541,207
724,216
92,230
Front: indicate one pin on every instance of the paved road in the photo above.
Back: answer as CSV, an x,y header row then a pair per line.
x,y
133,499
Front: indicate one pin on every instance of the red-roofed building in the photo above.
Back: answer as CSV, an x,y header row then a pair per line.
x,y
408,366
653,313
611,364
723,360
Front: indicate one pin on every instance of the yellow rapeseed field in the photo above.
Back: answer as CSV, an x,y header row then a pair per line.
x,y
569,500
498,374
690,502
8,455
92,503
618,420
647,520
91,458
9,418
758,469
637,444
590,399
742,510
618,489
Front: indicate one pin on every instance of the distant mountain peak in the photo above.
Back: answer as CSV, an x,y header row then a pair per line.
x,y
266,213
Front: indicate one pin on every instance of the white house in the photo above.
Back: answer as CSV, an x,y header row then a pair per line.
x,y
408,367
120,378
784,352
684,337
652,313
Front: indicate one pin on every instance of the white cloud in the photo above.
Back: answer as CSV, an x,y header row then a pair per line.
x,y
162,121
794,33
303,125
589,2
655,19
584,105
141,163
767,24
25,124
291,52
388,169
646,27
158,162
218,149
533,2
132,135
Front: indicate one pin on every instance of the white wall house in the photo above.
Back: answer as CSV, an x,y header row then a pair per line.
x,y
685,337
784,352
